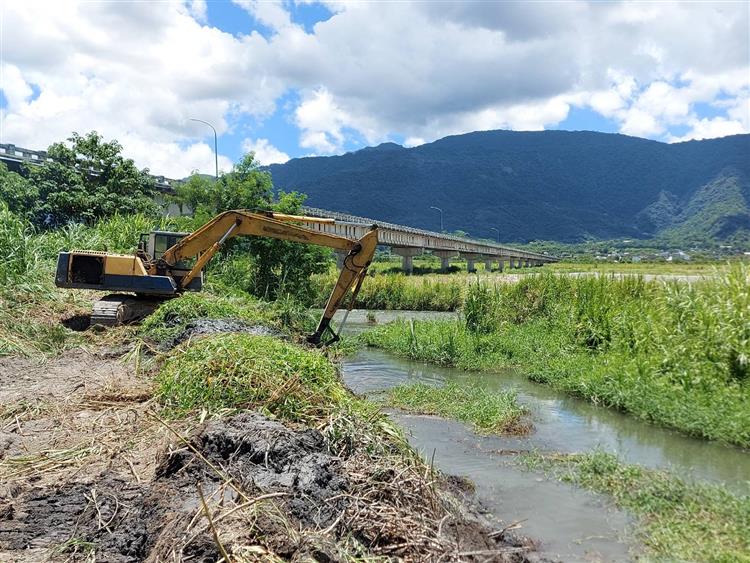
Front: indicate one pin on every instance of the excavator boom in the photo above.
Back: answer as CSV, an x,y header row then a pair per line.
x,y
207,240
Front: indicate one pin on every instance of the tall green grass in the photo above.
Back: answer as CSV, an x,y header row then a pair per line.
x,y
31,307
672,353
678,520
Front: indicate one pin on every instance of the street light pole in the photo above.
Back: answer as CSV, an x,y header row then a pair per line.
x,y
216,144
441,216
498,233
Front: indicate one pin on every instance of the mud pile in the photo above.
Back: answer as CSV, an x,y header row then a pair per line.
x,y
204,327
269,490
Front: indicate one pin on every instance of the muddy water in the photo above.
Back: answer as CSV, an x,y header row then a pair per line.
x,y
573,524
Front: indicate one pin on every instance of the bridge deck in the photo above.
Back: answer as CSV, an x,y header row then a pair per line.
x,y
401,236
405,241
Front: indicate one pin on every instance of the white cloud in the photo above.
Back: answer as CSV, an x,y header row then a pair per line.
x,y
414,141
710,128
175,161
322,122
198,9
265,152
131,71
137,71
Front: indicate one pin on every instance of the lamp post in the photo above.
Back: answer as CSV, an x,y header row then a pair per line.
x,y
216,144
498,233
441,216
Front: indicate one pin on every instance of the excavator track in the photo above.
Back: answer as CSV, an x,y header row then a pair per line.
x,y
118,309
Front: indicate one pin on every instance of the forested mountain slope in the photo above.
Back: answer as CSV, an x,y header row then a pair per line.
x,y
547,185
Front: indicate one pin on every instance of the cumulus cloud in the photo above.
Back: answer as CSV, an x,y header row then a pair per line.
x,y
131,71
265,152
417,70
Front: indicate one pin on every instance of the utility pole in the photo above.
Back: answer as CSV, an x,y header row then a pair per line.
x,y
216,144
498,233
441,216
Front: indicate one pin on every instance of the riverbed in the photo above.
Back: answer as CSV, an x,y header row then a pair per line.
x,y
571,524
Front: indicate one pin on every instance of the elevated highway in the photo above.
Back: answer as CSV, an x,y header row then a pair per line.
x,y
408,242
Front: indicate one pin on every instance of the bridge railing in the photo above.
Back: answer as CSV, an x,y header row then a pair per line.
x,y
401,235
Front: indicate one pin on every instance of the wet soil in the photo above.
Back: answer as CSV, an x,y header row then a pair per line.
x,y
271,490
205,327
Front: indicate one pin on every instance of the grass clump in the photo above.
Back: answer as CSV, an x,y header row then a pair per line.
x,y
672,353
240,371
487,411
679,520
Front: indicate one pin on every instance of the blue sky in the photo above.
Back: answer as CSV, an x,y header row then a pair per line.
x,y
291,78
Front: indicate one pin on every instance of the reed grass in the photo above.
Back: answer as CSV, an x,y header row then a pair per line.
x,y
677,520
400,292
671,353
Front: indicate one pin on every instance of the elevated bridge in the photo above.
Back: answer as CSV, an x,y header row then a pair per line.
x,y
403,241
408,242
13,157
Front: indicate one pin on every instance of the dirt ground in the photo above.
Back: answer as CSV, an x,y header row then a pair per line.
x,y
89,471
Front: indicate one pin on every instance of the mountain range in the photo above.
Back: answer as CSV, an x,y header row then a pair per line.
x,y
566,186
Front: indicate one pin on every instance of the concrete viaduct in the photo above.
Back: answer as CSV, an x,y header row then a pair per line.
x,y
403,241
408,242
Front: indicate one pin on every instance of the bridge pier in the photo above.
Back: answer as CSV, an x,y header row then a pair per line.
x,y
407,254
488,265
500,265
471,258
445,256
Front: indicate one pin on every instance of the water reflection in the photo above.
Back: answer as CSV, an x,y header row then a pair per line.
x,y
567,424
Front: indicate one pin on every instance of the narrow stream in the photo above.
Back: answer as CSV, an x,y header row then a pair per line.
x,y
572,524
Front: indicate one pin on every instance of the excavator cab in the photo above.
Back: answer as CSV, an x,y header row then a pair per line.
x,y
156,243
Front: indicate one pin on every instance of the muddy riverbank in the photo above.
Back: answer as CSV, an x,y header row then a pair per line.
x,y
90,469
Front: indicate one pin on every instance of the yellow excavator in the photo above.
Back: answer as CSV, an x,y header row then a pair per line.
x,y
166,264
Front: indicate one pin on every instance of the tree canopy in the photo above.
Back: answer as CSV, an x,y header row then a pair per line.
x,y
265,267
86,180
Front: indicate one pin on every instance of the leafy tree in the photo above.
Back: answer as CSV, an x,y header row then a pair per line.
x,y
17,192
245,187
284,267
86,181
265,267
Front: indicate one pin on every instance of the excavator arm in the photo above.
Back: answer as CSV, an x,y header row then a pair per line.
x,y
207,240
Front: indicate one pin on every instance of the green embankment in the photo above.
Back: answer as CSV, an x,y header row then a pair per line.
x,y
677,520
395,291
674,354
